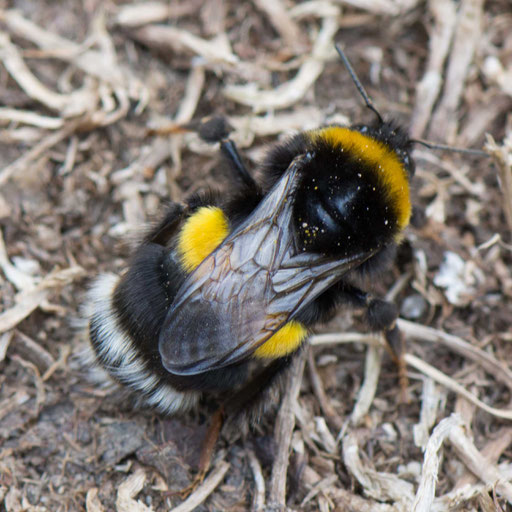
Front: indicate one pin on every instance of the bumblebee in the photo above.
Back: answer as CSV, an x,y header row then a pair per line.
x,y
224,284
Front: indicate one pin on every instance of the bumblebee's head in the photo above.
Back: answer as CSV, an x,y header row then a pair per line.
x,y
395,138
353,195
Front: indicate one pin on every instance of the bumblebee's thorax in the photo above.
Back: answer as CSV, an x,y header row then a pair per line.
x,y
354,192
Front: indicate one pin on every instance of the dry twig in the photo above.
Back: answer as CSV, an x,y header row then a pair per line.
x,y
127,491
387,7
369,387
92,502
5,340
24,161
466,37
478,464
136,15
205,489
291,92
216,51
285,423
27,301
34,352
332,416
502,156
282,21
446,381
258,499
420,332
430,401
429,472
427,90
379,485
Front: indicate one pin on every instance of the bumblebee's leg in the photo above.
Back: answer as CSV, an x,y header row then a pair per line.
x,y
230,152
217,129
251,395
246,398
207,450
381,315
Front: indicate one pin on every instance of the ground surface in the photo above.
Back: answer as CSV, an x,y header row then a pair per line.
x,y
81,83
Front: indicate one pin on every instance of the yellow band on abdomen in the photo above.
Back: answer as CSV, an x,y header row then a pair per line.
x,y
285,341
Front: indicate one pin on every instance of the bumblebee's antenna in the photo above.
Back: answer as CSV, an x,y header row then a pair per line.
x,y
370,105
430,145
358,83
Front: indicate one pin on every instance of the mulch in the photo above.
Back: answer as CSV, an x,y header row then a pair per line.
x,y
86,87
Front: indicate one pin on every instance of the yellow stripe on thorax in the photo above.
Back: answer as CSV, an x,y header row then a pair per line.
x,y
285,341
389,169
201,234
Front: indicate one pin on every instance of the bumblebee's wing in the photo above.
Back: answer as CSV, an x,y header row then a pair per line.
x,y
248,288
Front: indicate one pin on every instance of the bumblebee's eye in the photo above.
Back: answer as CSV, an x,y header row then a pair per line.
x,y
407,160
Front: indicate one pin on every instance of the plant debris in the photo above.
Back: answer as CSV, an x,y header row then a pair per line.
x,y
83,84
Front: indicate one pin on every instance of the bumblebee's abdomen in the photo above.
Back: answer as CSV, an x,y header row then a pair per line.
x,y
123,355
284,342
